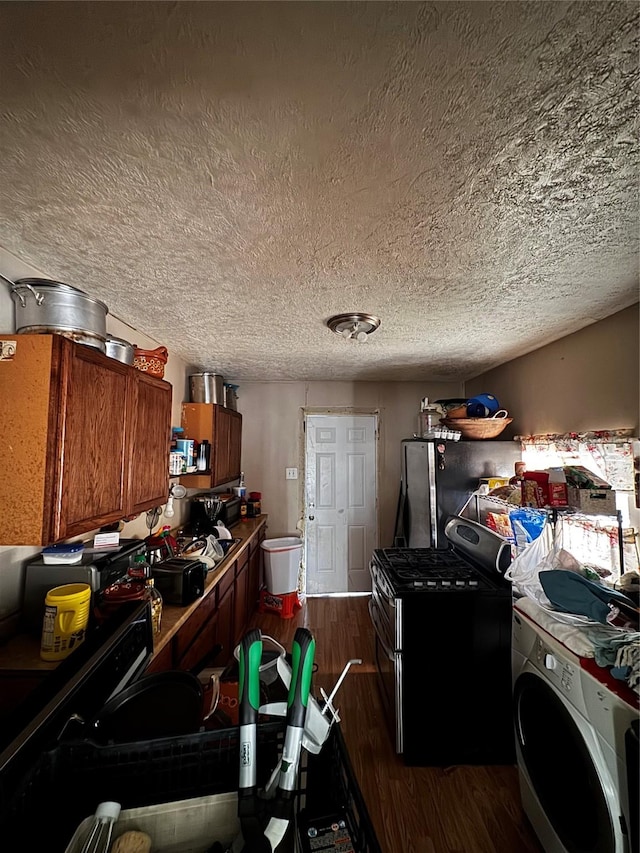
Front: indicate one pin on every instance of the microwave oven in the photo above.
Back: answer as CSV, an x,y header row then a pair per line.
x,y
97,568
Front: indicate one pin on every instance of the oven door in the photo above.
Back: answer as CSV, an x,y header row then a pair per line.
x,y
384,615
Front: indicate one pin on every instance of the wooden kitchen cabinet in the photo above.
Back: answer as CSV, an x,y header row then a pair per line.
x,y
86,439
222,428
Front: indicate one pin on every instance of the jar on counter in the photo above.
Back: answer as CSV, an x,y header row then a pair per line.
x,y
254,504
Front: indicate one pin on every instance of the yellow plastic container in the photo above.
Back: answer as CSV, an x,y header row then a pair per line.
x,y
66,616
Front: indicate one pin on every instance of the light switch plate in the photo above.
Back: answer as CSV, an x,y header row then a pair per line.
x,y
291,473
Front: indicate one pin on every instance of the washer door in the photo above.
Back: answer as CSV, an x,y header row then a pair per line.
x,y
555,755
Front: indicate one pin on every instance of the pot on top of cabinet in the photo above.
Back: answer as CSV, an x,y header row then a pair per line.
x,y
43,306
120,349
206,388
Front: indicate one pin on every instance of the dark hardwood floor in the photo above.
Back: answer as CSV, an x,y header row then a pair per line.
x,y
459,809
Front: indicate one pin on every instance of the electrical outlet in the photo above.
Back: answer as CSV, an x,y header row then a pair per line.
x,y
291,473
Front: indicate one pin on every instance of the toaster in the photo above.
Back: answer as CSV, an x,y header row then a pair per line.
x,y
179,580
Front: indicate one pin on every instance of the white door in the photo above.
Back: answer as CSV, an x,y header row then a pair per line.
x,y
340,502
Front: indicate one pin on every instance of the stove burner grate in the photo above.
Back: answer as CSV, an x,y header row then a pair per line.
x,y
422,559
425,568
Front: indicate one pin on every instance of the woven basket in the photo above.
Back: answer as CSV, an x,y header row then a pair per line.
x,y
151,361
479,427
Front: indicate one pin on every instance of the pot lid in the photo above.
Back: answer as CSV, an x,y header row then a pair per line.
x,y
119,592
51,284
111,339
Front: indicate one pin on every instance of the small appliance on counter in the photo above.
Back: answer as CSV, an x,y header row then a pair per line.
x,y
179,580
98,569
208,508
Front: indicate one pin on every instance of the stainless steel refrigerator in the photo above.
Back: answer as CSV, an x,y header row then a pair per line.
x,y
437,479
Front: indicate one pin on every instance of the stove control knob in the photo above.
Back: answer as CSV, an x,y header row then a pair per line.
x,y
460,583
446,583
473,583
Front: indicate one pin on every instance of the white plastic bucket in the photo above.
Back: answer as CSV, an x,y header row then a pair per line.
x,y
281,564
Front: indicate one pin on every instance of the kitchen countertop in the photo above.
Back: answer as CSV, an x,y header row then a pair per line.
x,y
173,617
21,653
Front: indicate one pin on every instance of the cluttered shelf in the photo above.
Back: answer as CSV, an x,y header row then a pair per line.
x,y
518,509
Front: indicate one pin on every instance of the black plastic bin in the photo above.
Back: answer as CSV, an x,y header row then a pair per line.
x,y
69,781
329,796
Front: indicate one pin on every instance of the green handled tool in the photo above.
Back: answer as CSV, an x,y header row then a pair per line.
x,y
302,654
249,701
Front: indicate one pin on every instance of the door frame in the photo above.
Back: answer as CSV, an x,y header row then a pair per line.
x,y
334,411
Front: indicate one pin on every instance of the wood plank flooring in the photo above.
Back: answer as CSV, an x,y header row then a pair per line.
x,y
461,809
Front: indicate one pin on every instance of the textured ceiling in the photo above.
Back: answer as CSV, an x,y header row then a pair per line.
x,y
225,176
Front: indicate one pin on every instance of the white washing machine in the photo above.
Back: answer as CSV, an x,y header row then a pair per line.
x,y
575,748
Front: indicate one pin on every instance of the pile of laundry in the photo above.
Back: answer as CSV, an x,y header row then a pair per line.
x,y
613,618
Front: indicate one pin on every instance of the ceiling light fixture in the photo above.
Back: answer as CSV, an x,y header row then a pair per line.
x,y
354,326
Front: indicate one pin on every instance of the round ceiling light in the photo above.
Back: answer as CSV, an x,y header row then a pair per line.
x,y
354,326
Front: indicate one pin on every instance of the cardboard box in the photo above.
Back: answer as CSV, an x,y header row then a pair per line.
x,y
593,501
557,487
535,489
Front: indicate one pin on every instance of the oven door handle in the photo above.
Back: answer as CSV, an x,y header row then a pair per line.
x,y
379,632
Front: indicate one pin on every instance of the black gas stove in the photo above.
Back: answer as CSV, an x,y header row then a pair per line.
x,y
443,616
428,569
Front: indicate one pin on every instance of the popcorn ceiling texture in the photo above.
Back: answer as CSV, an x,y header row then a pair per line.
x,y
226,176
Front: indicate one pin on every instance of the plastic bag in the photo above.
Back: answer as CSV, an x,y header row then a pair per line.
x,y
545,552
527,524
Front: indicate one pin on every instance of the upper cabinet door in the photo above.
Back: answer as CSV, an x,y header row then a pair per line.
x,y
221,437
221,427
90,443
151,434
229,445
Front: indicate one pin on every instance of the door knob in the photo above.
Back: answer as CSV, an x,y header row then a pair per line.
x,y
311,517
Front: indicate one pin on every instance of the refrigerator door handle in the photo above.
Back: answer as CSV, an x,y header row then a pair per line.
x,y
400,538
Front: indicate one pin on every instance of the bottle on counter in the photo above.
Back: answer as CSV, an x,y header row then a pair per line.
x,y
139,570
244,509
153,594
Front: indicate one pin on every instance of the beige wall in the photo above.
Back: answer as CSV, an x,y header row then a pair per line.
x,y
272,438
585,381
